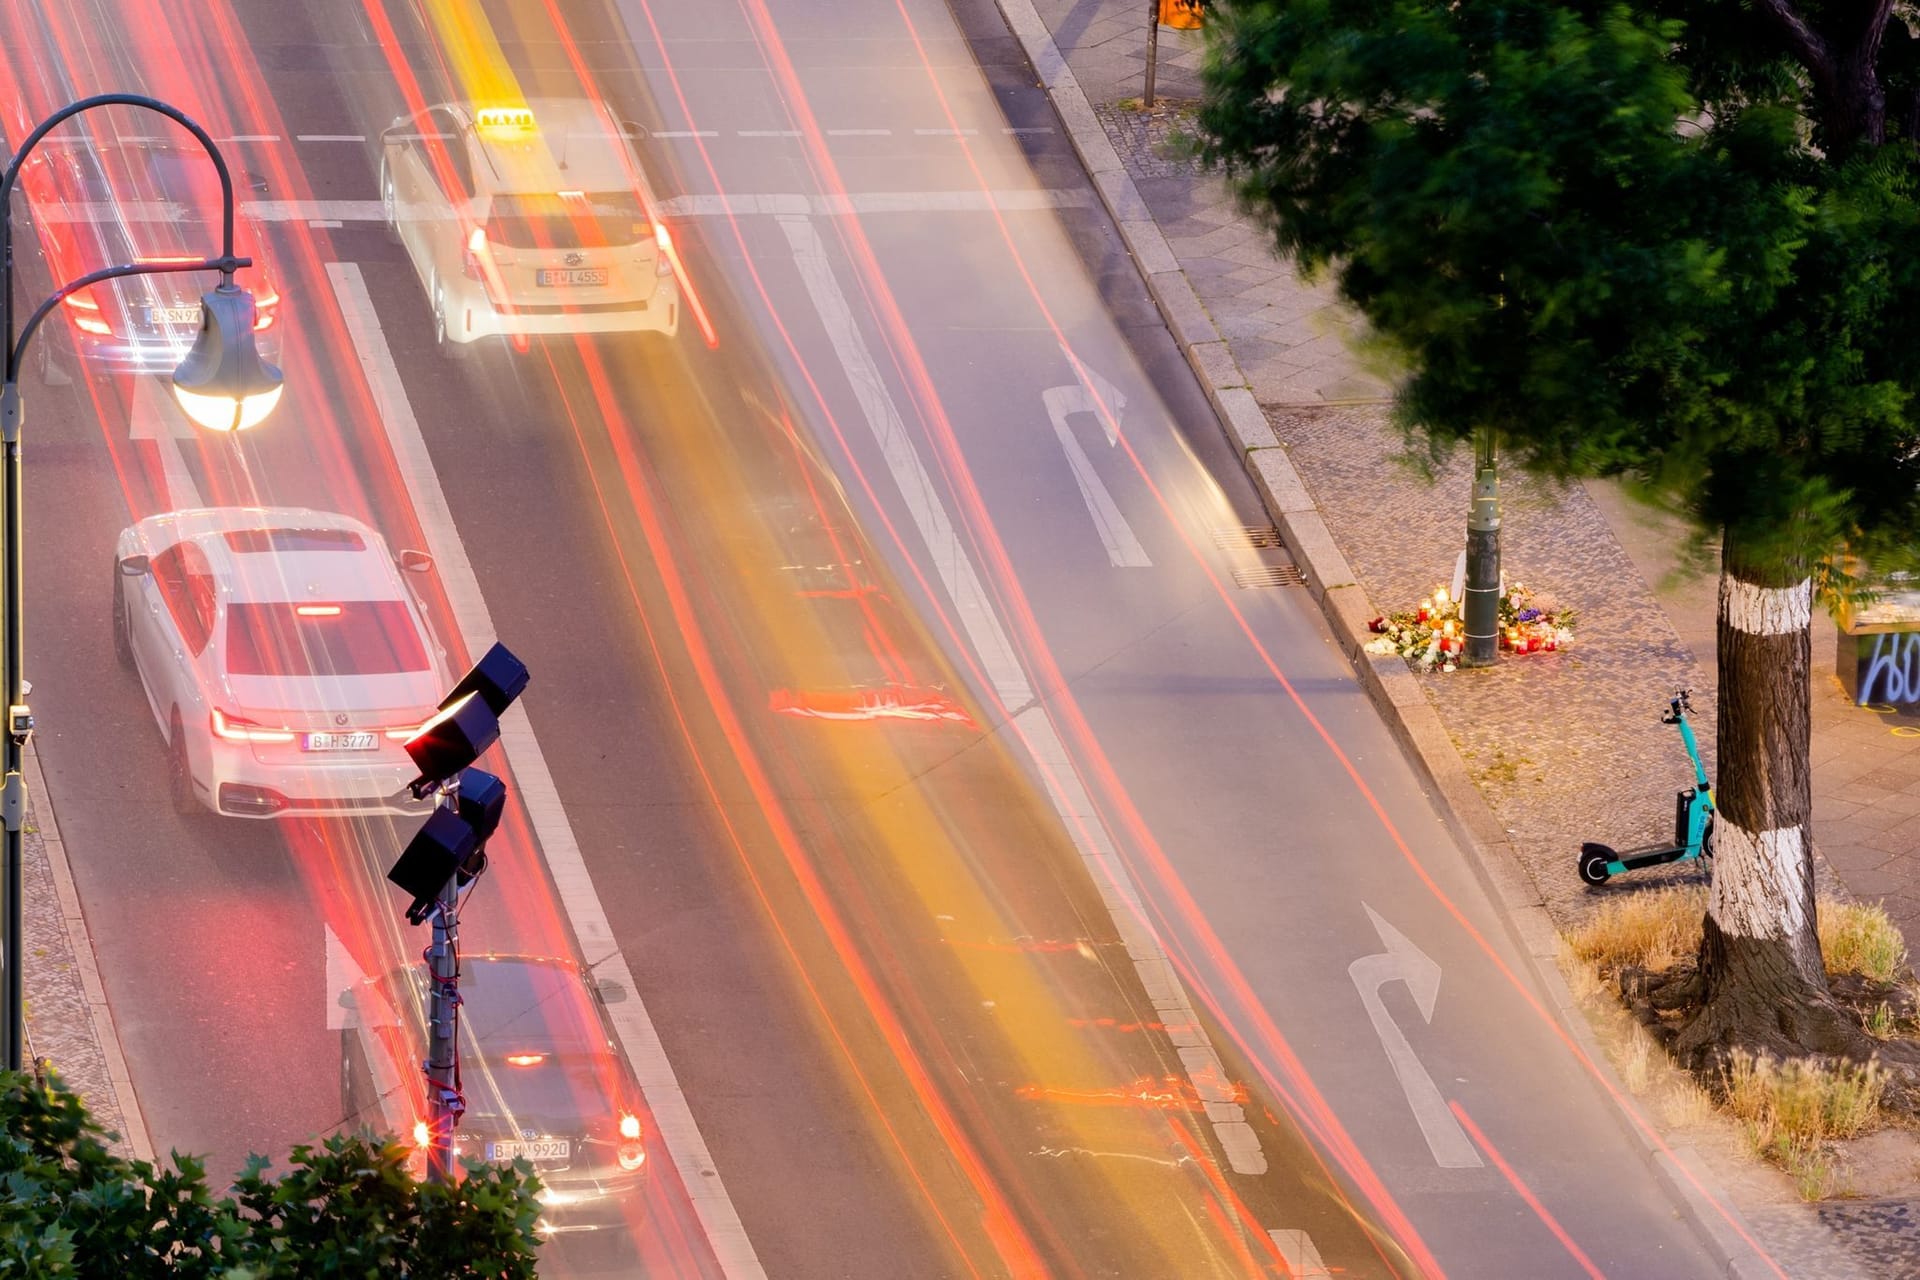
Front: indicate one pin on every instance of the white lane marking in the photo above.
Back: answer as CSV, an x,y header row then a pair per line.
x,y
325,224
331,137
1402,961
947,133
769,133
1123,548
859,133
1045,128
1019,200
251,137
344,974
686,133
156,417
1302,1257
990,641
535,791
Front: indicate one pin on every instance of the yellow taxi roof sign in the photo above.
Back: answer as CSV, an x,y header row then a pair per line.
x,y
504,119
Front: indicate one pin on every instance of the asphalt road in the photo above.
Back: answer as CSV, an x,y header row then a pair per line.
x,y
1010,890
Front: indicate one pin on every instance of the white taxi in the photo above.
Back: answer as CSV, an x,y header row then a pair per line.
x,y
284,657
527,220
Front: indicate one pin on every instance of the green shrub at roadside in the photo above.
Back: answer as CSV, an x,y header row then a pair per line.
x,y
71,1207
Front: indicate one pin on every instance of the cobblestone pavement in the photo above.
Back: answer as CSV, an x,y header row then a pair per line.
x,y
60,1027
1563,747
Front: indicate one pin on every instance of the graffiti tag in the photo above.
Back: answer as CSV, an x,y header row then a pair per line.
x,y
1890,671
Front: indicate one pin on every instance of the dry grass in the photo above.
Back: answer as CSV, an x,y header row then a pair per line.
x,y
1652,930
1791,1112
1658,929
1858,937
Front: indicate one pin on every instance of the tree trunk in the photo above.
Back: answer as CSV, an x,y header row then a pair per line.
x,y
1763,983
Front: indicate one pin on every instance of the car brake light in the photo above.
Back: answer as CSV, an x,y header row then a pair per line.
x,y
630,1126
86,312
663,261
238,729
263,309
401,735
474,263
422,1133
526,1059
317,610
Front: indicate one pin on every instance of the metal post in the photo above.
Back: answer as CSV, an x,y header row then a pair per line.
x,y
1482,612
1153,47
13,787
443,1022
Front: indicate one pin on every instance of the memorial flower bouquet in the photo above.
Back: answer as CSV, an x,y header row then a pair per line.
x,y
1433,634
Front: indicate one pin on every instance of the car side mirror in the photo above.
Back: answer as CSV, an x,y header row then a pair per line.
x,y
609,992
416,561
632,130
135,566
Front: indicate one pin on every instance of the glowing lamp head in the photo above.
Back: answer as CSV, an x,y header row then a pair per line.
x,y
223,384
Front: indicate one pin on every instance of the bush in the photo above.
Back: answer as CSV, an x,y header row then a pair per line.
x,y
71,1207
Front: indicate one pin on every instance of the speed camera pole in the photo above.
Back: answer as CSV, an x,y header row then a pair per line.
x,y
444,856
443,1020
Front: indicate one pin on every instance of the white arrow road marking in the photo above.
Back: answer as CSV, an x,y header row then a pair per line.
x,y
998,658
1123,549
343,975
1302,1258
157,418
537,795
1404,962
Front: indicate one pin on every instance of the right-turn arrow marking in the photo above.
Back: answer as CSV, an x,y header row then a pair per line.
x,y
1404,962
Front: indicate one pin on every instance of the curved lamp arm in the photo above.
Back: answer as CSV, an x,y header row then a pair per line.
x,y
12,174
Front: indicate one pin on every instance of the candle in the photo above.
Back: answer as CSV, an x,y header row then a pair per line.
x,y
1440,597
1446,628
1426,609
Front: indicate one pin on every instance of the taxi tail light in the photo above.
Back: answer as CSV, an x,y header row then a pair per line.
x,y
663,243
84,311
473,263
630,1127
234,728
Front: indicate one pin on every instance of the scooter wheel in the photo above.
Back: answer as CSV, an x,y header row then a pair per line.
x,y
1593,868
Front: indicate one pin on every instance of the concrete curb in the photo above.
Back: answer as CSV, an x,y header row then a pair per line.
x,y
99,1011
1390,684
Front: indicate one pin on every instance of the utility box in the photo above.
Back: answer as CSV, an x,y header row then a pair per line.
x,y
1878,654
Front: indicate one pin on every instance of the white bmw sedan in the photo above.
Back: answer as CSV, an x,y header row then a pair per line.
x,y
284,656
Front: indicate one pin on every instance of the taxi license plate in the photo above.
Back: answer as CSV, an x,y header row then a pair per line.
x,y
544,1149
341,742
174,315
550,277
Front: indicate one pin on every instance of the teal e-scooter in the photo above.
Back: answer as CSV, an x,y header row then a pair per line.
x,y
1692,817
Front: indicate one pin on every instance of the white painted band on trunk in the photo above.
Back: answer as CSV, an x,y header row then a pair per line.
x,y
1759,881
1766,611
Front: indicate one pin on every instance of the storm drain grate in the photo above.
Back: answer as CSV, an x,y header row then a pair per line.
x,y
1247,536
1270,575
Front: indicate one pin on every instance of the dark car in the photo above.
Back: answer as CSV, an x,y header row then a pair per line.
x,y
541,1076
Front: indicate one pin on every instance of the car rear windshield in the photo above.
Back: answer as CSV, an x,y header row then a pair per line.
x,y
601,220
365,637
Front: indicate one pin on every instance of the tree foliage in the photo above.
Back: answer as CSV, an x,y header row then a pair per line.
x,y
71,1207
1645,239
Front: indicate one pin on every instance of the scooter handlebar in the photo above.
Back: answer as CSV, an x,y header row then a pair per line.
x,y
1679,706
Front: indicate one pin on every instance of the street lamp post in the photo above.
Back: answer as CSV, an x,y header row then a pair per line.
x,y
223,384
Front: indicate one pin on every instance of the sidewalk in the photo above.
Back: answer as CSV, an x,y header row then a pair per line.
x,y
1538,753
69,1025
